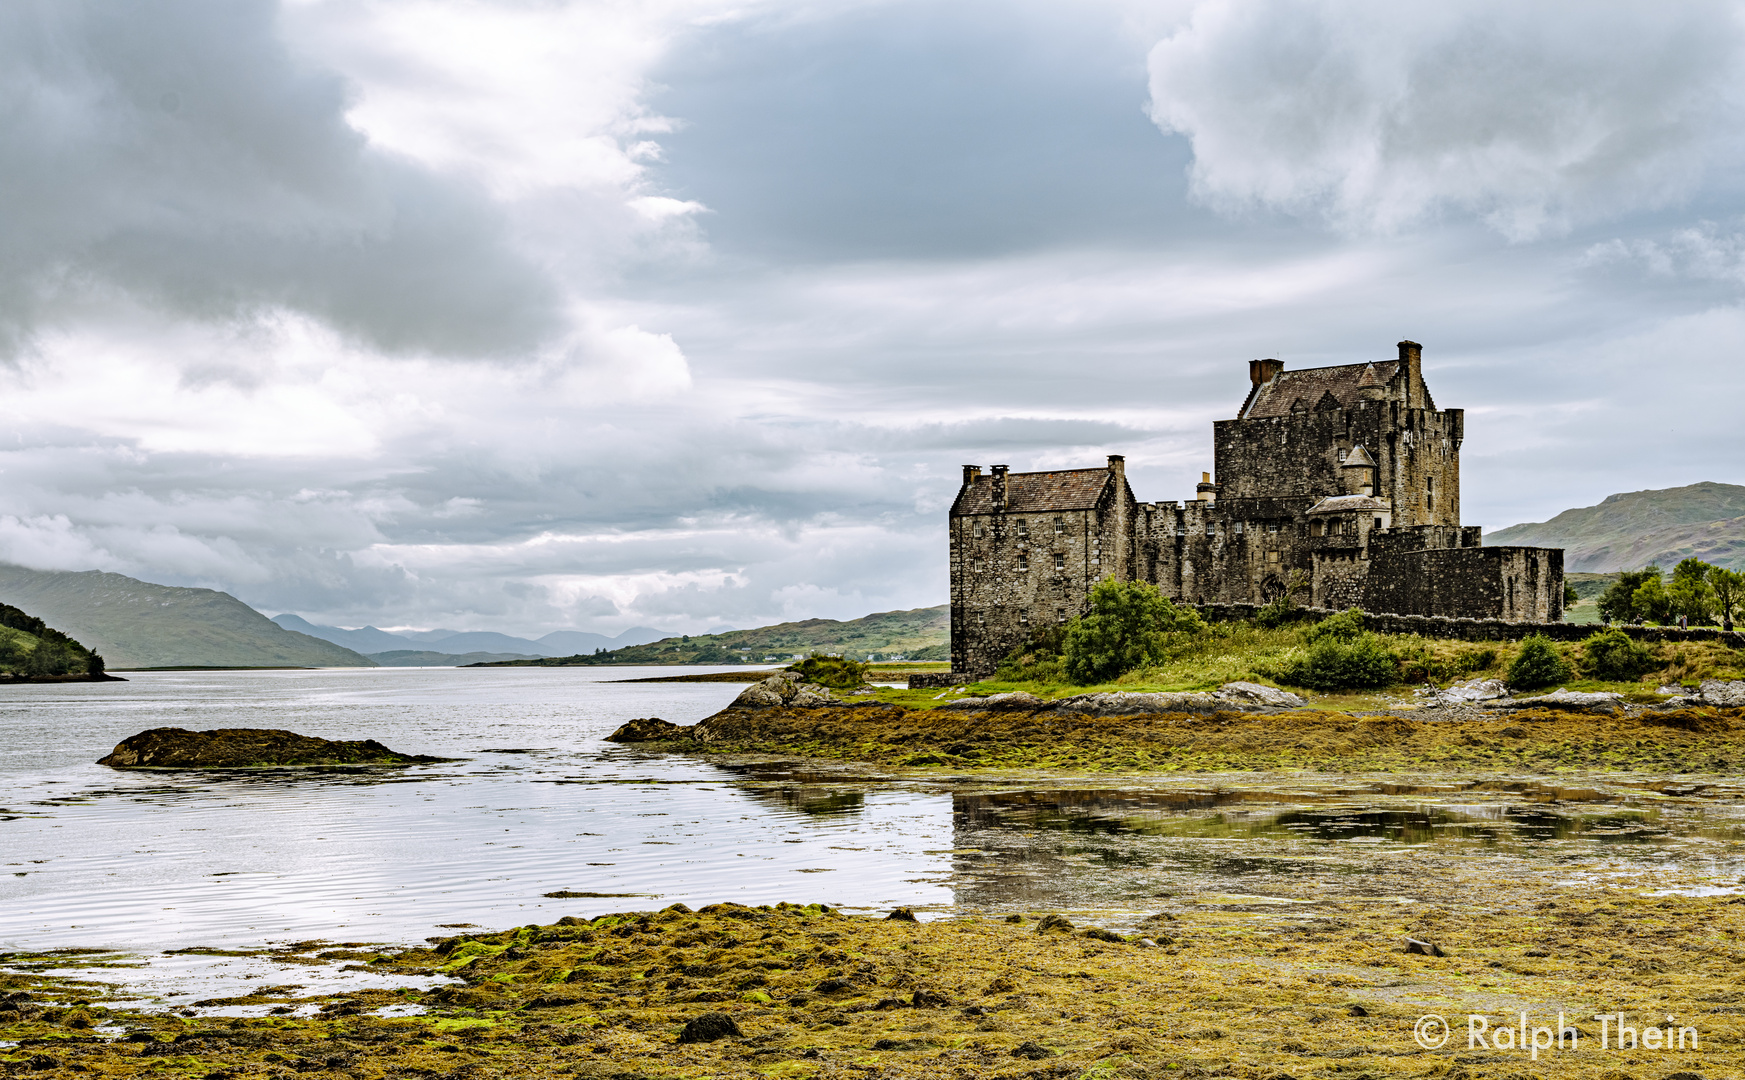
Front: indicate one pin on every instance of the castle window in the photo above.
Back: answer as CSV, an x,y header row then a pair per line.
x,y
975,566
1272,528
1023,529
1059,526
1317,528
1238,528
1429,493
1060,615
1378,524
978,532
1060,562
1023,618
981,618
1023,561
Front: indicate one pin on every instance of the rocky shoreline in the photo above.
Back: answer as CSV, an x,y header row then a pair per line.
x,y
1239,727
1333,987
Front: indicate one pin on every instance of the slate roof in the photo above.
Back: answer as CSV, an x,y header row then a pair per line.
x,y
1345,504
1036,492
1313,385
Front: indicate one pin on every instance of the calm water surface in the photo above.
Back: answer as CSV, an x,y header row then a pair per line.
x,y
150,861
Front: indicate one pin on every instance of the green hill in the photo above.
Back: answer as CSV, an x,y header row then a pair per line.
x,y
427,658
135,624
920,634
1630,530
32,650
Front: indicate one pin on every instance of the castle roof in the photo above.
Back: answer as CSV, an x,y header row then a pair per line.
x,y
1346,504
1309,388
1036,492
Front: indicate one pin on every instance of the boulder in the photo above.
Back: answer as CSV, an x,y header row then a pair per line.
x,y
651,729
1724,694
1471,691
245,748
783,688
1247,693
1565,700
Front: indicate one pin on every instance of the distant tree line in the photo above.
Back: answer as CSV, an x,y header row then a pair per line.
x,y
1698,592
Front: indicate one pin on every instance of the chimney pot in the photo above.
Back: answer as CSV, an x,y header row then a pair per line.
x,y
970,472
1263,371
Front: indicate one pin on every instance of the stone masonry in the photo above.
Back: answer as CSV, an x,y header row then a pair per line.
x,y
1340,483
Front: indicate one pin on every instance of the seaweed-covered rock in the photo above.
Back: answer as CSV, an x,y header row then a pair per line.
x,y
649,729
710,1027
1017,701
242,748
1470,691
783,688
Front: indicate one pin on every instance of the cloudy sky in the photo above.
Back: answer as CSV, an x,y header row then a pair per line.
x,y
536,314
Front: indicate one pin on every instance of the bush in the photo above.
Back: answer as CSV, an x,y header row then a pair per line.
x,y
1127,627
1614,657
1037,660
1537,665
1362,663
1345,626
836,672
1618,603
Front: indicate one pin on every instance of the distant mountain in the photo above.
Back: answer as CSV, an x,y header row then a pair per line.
x,y
366,640
571,642
923,633
370,641
426,658
1630,530
136,624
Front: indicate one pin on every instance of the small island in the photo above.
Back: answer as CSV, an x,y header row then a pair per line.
x,y
248,748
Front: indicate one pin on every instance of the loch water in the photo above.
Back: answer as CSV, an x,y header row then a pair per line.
x,y
538,803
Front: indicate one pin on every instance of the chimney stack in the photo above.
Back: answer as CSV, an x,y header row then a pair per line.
x,y
1262,371
970,472
1205,490
999,487
1118,464
1412,360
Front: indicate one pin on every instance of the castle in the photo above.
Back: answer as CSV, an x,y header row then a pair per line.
x,y
1343,482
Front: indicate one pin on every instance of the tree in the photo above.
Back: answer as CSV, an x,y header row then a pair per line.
x,y
1538,664
1618,603
1570,597
1729,589
1127,627
1651,601
1690,594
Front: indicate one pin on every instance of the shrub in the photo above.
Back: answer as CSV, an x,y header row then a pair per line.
x,y
1362,663
1345,626
836,672
1037,660
1615,657
1127,627
1537,664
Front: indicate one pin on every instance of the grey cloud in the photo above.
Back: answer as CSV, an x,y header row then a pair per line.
x,y
174,151
1527,115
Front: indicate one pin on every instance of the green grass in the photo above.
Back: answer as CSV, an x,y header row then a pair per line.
x,y
1242,652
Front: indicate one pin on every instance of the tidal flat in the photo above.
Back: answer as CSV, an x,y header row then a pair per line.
x,y
1255,921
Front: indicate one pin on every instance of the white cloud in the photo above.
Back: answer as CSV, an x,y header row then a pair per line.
x,y
1378,114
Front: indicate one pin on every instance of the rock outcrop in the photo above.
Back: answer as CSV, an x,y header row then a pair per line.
x,y
1564,701
783,688
649,729
1231,697
246,748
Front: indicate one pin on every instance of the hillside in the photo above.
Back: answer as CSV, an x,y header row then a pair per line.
x,y
920,634
135,624
1630,530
